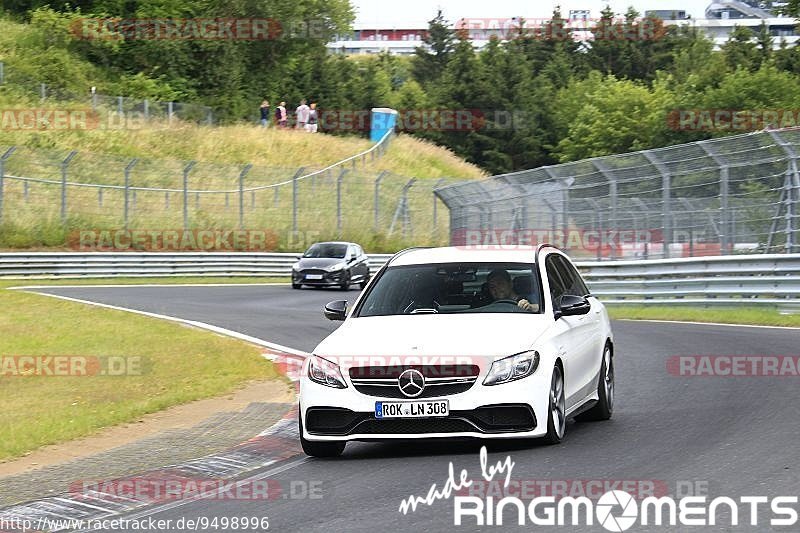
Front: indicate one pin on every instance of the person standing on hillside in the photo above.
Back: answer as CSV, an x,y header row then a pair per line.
x,y
280,115
313,119
301,113
264,114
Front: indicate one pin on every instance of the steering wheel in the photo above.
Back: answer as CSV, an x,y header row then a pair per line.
x,y
505,301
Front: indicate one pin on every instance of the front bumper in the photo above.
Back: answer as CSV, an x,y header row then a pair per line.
x,y
329,279
512,410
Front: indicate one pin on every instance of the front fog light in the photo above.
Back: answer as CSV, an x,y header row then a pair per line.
x,y
512,368
325,373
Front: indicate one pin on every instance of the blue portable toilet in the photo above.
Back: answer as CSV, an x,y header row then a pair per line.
x,y
383,120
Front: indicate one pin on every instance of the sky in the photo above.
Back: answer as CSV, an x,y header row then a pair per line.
x,y
398,12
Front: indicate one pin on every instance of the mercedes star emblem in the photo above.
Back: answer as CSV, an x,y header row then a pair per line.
x,y
411,383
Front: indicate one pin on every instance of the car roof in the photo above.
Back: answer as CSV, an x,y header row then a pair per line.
x,y
333,242
467,254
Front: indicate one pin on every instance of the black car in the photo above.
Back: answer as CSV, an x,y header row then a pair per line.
x,y
331,264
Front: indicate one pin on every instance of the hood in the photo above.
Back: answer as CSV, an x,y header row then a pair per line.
x,y
493,335
318,262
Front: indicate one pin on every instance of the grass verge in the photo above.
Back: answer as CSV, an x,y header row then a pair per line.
x,y
176,364
734,315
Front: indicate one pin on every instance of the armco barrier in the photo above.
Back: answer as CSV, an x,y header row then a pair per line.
x,y
748,279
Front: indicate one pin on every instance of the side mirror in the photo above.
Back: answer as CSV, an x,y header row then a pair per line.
x,y
571,305
336,310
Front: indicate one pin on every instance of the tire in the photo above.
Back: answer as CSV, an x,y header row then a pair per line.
x,y
605,390
345,285
320,449
296,285
557,409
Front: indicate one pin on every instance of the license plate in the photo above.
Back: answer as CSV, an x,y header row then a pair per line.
x,y
314,276
412,409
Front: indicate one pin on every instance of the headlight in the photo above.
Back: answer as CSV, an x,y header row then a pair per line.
x,y
325,373
296,267
336,267
512,368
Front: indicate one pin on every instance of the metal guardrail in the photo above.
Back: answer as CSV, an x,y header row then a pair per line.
x,y
747,279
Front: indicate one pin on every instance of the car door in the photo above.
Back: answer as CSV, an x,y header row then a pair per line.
x,y
363,263
587,330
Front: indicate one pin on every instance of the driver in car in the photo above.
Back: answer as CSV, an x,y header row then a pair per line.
x,y
501,288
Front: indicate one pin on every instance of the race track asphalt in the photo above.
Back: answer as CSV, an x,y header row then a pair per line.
x,y
737,436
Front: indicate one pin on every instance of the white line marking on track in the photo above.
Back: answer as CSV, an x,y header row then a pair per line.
x,y
703,323
201,325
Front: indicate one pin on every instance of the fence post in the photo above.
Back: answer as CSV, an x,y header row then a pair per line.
x,y
120,107
666,200
435,204
613,222
377,197
169,112
2,73
792,193
43,91
146,109
726,241
186,171
64,168
128,169
3,159
294,197
339,181
242,175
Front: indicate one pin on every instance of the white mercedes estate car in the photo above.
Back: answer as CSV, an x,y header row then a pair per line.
x,y
460,343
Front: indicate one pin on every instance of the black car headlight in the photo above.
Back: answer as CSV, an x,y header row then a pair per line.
x,y
325,373
512,368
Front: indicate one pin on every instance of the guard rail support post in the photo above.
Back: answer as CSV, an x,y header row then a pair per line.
x,y
3,160
186,170
242,175
64,171
377,199
128,169
295,199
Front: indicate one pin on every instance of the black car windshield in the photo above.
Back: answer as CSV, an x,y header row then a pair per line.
x,y
327,250
454,288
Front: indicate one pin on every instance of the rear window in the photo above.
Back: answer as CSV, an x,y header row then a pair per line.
x,y
453,288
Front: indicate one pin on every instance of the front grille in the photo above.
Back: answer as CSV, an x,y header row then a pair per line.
x,y
440,380
410,426
431,390
313,271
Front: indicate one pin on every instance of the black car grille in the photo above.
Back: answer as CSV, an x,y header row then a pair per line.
x,y
409,426
431,391
336,421
440,380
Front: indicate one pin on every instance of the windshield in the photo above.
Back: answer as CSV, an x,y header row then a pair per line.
x,y
454,288
327,250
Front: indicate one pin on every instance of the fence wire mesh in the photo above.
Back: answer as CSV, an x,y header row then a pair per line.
x,y
735,194
294,206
